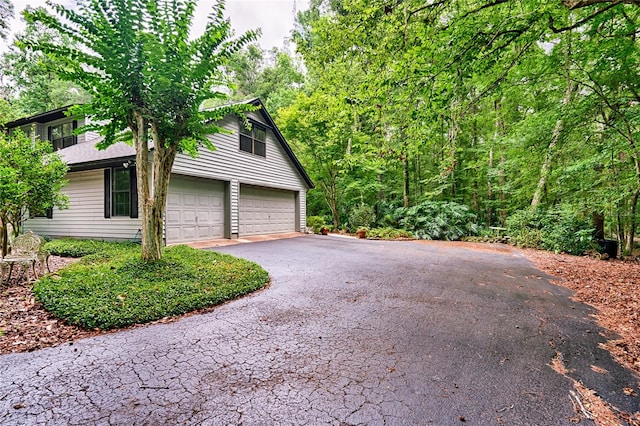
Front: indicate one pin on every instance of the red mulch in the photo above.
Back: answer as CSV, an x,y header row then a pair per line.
x,y
610,286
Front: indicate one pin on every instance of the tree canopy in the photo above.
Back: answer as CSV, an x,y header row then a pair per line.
x,y
148,80
497,105
31,180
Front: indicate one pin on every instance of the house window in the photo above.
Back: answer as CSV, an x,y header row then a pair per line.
x,y
48,213
61,136
120,192
253,140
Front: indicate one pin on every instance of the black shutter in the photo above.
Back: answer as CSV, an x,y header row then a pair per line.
x,y
107,193
75,126
49,133
50,213
133,195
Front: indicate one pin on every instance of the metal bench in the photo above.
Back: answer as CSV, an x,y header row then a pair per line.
x,y
26,251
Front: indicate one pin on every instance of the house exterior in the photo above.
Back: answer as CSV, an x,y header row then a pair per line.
x,y
251,184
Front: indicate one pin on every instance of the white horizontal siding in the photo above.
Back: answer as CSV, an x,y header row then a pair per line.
x,y
227,162
235,201
85,216
303,210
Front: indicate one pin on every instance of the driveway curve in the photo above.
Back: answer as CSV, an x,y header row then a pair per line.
x,y
350,332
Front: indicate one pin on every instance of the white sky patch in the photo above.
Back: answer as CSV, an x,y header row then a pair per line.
x,y
274,17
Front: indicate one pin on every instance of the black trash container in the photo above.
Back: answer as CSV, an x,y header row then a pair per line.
x,y
610,248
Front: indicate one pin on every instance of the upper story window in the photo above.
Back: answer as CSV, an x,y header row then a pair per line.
x,y
61,135
253,140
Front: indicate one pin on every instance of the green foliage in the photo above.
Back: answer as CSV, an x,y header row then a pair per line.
x,y
6,13
31,180
434,220
115,288
361,216
31,76
388,234
316,223
81,248
562,231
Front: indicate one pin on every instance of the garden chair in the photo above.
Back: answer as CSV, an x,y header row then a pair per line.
x,y
26,251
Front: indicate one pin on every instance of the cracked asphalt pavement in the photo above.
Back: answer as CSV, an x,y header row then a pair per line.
x,y
350,332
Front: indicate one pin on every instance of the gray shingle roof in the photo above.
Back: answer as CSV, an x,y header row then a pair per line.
x,y
88,153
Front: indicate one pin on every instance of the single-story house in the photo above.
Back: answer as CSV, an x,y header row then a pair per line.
x,y
251,184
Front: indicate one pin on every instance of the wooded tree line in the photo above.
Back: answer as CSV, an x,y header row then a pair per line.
x,y
496,105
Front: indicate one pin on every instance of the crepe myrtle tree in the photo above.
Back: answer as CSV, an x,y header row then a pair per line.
x,y
148,80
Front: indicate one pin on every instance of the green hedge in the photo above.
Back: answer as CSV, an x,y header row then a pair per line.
x,y
115,288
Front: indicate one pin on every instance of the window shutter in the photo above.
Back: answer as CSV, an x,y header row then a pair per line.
x,y
75,126
49,133
107,193
133,192
50,213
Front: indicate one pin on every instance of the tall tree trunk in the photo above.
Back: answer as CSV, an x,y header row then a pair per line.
x,y
4,238
405,174
555,137
490,189
628,247
620,226
163,159
329,192
502,211
557,131
450,172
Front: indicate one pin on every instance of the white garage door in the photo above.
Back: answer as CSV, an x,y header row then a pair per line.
x,y
266,211
195,210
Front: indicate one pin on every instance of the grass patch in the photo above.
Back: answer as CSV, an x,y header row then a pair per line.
x,y
113,287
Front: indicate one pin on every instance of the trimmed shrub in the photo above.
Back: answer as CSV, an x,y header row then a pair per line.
x,y
115,288
315,223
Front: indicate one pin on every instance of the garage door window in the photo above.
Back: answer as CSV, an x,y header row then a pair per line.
x,y
253,140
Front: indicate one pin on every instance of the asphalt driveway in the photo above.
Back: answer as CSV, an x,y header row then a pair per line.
x,y
350,332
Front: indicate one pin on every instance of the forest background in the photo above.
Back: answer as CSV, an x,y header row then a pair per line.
x,y
494,111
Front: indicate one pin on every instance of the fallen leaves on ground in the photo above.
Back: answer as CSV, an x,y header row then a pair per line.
x,y
24,325
610,286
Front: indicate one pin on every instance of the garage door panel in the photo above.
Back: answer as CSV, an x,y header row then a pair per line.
x,y
195,210
266,211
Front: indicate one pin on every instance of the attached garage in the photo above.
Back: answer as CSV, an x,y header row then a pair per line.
x,y
195,210
266,211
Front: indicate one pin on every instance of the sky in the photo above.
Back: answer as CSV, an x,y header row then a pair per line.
x,y
273,17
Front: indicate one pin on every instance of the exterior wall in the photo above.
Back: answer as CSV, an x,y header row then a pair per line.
x,y
228,163
85,216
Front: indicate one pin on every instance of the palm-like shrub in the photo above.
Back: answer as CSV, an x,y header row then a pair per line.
x,y
433,220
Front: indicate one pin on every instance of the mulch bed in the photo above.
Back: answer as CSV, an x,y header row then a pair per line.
x,y
610,286
24,325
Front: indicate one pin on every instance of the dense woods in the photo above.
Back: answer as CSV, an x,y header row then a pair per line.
x,y
500,107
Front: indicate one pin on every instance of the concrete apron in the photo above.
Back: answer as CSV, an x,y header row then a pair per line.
x,y
243,240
